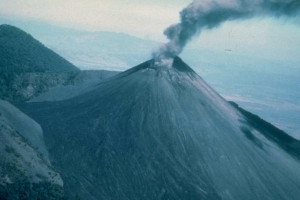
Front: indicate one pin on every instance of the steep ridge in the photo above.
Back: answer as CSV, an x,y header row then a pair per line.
x,y
31,71
159,133
27,67
20,52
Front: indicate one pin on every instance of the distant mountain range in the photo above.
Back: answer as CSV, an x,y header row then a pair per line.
x,y
95,50
101,50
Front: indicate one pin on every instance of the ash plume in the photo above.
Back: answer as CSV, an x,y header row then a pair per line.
x,y
208,14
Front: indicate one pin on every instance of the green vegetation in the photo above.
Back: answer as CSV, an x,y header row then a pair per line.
x,y
27,67
32,191
23,87
20,53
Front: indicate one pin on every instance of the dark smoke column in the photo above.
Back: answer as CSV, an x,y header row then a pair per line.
x,y
208,14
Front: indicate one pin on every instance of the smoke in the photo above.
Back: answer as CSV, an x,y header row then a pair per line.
x,y
208,14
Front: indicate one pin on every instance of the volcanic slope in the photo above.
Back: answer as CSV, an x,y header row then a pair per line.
x,y
157,133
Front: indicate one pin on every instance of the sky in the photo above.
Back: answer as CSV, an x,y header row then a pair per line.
x,y
148,19
144,18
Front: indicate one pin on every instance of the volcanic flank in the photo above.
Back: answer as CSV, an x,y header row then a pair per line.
x,y
163,133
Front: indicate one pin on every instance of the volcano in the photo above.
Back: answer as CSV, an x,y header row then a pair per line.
x,y
163,133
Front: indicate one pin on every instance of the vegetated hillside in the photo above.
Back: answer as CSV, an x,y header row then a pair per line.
x,y
81,83
49,86
20,52
163,133
28,69
25,168
25,86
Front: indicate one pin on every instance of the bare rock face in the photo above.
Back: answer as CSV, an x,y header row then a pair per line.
x,y
163,133
24,159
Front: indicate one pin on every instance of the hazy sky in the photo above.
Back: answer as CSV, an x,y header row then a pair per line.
x,y
148,19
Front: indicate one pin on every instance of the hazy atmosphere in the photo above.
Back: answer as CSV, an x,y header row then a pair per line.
x,y
148,19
